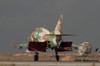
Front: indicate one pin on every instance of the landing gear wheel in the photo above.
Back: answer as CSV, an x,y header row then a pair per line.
x,y
36,58
57,57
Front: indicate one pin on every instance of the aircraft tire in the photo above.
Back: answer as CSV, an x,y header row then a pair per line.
x,y
57,57
36,58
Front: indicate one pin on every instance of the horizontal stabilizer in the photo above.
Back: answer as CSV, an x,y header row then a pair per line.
x,y
61,35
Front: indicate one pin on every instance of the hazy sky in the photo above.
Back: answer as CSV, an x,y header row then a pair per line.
x,y
18,18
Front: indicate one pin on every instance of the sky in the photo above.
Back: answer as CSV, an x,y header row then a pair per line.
x,y
18,18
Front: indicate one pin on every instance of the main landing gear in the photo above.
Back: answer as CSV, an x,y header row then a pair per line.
x,y
57,56
36,57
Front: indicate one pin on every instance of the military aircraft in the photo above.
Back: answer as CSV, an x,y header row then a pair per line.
x,y
42,39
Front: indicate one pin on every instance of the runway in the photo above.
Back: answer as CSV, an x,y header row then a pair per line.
x,y
51,63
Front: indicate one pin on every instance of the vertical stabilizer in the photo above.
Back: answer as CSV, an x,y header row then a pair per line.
x,y
58,28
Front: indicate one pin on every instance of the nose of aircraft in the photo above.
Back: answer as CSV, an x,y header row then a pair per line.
x,y
31,37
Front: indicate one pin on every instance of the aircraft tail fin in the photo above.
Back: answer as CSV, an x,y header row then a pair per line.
x,y
58,28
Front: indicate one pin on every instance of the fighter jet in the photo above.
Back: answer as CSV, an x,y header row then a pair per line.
x,y
42,39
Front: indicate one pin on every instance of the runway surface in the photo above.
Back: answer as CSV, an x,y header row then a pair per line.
x,y
52,63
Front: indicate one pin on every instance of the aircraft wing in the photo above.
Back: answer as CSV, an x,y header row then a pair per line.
x,y
37,46
20,46
41,46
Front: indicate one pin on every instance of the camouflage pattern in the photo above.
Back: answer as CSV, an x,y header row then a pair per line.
x,y
52,40
23,45
39,35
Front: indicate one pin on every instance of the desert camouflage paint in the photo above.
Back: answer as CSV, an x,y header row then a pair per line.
x,y
40,34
